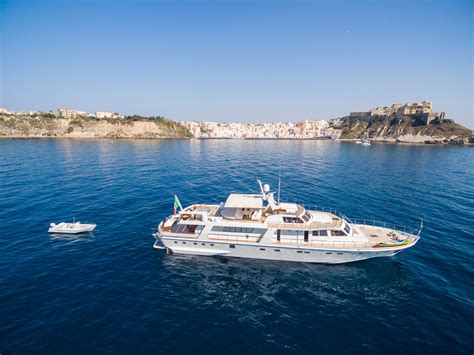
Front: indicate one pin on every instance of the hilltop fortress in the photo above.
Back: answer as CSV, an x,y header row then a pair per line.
x,y
423,110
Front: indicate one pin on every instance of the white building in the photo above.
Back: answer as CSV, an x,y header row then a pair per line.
x,y
108,115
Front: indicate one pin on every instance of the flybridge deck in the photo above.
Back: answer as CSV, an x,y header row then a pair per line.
x,y
247,224
195,213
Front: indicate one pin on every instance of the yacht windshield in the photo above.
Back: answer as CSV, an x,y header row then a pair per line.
x,y
306,217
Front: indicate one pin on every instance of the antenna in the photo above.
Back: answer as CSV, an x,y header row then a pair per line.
x,y
261,187
279,183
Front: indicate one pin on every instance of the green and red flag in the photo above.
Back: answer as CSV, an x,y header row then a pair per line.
x,y
176,204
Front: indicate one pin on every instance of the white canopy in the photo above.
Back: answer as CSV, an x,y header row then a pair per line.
x,y
244,201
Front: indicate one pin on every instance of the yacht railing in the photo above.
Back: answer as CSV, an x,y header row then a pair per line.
x,y
392,226
363,221
323,209
303,226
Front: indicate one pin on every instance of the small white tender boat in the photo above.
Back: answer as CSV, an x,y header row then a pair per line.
x,y
71,228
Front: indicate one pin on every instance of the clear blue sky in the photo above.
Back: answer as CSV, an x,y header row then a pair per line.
x,y
246,61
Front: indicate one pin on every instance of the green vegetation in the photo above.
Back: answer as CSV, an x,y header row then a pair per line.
x,y
172,128
47,115
144,118
77,121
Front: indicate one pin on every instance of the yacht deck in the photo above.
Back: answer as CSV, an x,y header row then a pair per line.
x,y
215,211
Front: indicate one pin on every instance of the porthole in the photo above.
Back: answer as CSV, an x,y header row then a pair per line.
x,y
262,249
211,245
195,243
203,243
184,242
277,249
299,251
306,252
232,246
329,253
175,242
340,253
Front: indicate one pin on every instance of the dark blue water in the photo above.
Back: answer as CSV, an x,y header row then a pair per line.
x,y
111,292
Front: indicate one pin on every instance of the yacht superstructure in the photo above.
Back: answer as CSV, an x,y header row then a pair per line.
x,y
256,226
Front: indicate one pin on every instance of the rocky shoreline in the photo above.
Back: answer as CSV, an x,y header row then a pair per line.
x,y
46,126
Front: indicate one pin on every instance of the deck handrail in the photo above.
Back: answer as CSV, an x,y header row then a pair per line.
x,y
302,226
392,226
368,222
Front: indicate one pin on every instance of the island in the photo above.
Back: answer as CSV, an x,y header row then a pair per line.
x,y
398,123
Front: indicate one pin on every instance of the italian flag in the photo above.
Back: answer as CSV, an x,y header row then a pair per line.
x,y
176,204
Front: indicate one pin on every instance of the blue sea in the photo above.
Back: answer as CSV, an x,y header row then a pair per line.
x,y
110,292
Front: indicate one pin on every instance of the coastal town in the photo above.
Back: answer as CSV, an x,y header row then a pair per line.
x,y
273,130
307,129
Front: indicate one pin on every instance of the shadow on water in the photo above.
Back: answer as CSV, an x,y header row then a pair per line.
x,y
292,306
378,281
82,237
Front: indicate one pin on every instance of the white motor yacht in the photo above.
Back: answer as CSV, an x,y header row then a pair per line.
x,y
257,226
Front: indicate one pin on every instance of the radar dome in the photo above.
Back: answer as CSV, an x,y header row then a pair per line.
x,y
266,188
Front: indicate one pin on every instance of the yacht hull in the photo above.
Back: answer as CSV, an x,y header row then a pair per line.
x,y
273,252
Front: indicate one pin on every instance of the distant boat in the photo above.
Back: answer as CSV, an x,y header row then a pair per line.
x,y
71,228
365,141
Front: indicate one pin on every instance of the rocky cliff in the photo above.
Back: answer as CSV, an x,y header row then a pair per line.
x,y
403,128
49,125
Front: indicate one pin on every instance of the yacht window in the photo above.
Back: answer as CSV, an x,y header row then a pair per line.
x,y
184,228
278,235
338,233
347,229
292,220
238,230
306,234
306,217
322,233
